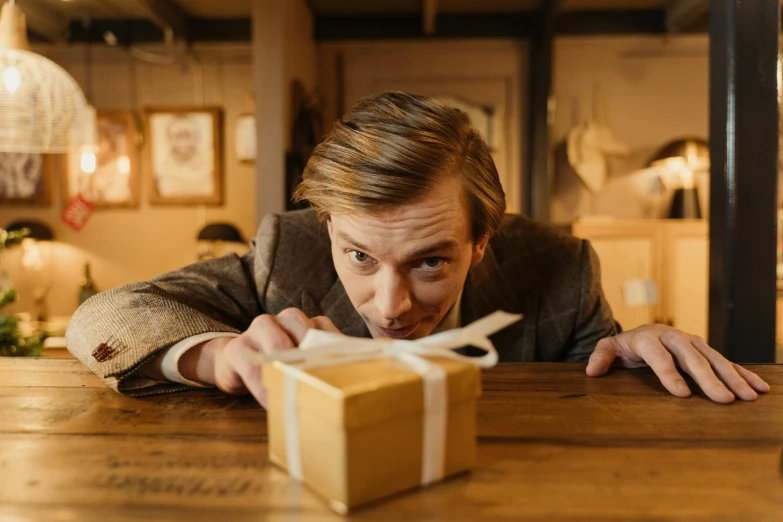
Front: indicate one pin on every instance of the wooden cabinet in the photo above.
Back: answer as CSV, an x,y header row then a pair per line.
x,y
686,260
674,254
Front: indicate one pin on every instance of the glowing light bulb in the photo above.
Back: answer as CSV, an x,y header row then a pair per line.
x,y
87,162
12,79
123,165
31,255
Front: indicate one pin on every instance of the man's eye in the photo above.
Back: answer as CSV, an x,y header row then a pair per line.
x,y
360,258
432,263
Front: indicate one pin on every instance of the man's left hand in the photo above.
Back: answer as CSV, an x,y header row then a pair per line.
x,y
659,347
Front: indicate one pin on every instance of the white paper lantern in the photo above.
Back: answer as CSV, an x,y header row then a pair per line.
x,y
41,105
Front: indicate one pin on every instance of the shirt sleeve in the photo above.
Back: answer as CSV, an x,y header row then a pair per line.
x,y
165,366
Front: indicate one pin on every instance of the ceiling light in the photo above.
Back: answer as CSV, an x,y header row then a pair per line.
x,y
41,105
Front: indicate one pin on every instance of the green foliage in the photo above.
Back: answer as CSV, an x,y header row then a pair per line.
x,y
8,297
12,343
11,238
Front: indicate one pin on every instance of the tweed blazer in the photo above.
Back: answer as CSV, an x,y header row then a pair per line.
x,y
551,278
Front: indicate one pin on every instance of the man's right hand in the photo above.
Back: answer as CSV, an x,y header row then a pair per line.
x,y
228,362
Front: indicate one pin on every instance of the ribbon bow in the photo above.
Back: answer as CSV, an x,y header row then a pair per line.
x,y
319,348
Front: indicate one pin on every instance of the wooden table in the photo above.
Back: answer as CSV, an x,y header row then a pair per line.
x,y
555,445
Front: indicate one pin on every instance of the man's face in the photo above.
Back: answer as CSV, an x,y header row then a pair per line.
x,y
404,268
183,139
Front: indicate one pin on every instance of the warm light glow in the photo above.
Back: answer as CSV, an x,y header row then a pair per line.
x,y
31,255
12,79
87,162
677,172
123,165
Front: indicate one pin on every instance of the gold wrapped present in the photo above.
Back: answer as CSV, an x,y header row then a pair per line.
x,y
360,419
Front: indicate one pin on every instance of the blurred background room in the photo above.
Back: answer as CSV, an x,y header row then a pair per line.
x,y
184,122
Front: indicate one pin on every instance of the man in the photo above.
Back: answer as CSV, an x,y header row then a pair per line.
x,y
407,237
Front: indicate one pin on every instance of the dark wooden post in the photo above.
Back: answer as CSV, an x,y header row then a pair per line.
x,y
539,172
743,177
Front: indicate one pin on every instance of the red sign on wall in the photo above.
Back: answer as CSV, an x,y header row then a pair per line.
x,y
77,212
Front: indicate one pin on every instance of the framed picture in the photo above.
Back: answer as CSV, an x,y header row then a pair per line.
x,y
115,181
26,178
183,156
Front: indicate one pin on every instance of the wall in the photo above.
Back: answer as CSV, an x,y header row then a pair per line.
x,y
283,50
489,72
300,58
134,244
652,89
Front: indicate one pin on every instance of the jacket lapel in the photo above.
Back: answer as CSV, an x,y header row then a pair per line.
x,y
337,306
488,289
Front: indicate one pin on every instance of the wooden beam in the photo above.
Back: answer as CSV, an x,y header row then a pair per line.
x,y
505,25
744,137
428,16
684,14
343,28
164,13
537,202
130,32
587,23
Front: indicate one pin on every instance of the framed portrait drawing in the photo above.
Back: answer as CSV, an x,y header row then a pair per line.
x,y
26,178
183,156
115,181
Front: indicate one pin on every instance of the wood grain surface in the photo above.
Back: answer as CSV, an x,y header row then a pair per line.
x,y
554,445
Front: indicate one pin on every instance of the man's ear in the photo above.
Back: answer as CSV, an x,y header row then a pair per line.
x,y
479,247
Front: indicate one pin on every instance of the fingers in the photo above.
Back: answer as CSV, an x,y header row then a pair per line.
x,y
267,335
295,323
325,324
243,362
756,382
237,369
662,363
695,364
741,381
602,357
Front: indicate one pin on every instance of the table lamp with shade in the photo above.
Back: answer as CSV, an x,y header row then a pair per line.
x,y
680,161
37,231
212,237
32,261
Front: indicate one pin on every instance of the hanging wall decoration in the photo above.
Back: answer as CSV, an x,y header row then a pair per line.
x,y
183,156
112,178
25,178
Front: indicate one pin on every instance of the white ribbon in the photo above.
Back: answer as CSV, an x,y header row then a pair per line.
x,y
320,348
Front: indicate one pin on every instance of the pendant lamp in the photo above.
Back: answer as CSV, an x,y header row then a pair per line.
x,y
41,105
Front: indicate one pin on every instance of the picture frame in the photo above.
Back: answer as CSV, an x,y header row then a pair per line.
x,y
115,182
26,178
184,156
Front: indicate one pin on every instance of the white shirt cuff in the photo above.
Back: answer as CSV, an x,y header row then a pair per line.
x,y
169,362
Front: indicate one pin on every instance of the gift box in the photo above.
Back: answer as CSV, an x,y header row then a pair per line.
x,y
360,419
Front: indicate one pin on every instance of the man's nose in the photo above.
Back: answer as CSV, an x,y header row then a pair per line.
x,y
392,295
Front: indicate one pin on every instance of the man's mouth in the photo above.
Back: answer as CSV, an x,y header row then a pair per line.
x,y
397,333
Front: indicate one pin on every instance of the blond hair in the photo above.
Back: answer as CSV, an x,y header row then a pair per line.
x,y
390,149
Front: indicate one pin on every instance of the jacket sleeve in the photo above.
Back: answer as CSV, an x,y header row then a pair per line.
x,y
116,332
594,319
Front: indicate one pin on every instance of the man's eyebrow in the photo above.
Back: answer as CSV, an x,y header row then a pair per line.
x,y
342,236
440,246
